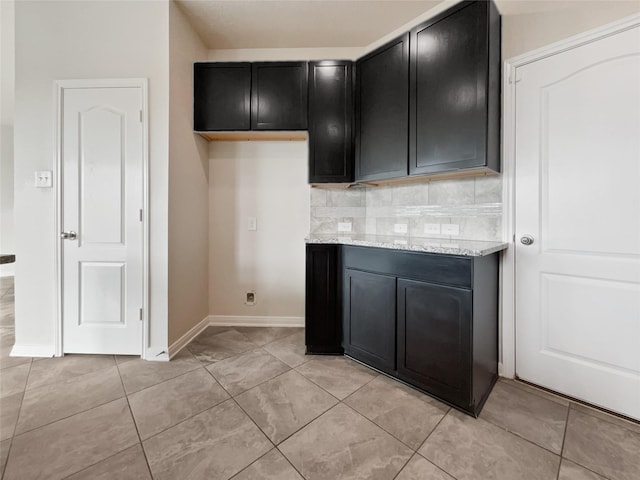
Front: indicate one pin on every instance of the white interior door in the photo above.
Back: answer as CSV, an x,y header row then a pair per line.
x,y
578,197
102,200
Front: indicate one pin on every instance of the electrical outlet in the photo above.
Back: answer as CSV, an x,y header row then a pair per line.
x,y
432,228
43,179
344,226
450,229
252,224
400,228
250,298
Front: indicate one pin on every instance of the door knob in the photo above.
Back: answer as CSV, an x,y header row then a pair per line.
x,y
526,240
70,235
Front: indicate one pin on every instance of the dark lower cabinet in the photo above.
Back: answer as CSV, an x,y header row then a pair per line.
x,y
430,320
279,96
434,338
323,316
330,122
369,313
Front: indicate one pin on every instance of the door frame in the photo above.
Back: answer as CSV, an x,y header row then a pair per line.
x,y
507,366
59,87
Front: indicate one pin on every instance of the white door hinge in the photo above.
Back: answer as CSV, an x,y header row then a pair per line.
x,y
140,314
140,116
141,216
515,76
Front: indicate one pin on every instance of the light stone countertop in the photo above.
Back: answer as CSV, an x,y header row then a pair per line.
x,y
470,248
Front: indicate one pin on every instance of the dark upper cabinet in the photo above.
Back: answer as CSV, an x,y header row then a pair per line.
x,y
455,90
279,96
382,112
434,338
222,96
323,319
369,318
330,122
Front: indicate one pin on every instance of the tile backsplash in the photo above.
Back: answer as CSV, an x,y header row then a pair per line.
x,y
473,204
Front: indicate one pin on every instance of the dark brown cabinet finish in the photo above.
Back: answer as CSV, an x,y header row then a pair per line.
x,y
221,96
369,313
455,90
382,112
279,96
434,327
440,310
330,122
323,319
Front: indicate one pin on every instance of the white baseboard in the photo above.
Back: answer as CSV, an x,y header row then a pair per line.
x,y
8,270
242,321
184,340
44,351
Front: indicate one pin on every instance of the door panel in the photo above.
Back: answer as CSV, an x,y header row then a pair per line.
x,y
434,342
577,195
102,197
370,327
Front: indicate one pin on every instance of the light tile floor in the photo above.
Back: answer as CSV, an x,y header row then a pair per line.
x,y
247,404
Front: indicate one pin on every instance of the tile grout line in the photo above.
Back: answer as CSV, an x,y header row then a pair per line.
x,y
133,418
434,429
564,438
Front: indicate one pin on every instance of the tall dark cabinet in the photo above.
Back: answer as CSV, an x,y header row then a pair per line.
x,y
382,106
455,90
323,316
330,122
279,96
221,96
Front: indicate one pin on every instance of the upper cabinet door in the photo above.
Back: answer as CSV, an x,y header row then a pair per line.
x,y
222,96
382,112
279,96
455,90
330,122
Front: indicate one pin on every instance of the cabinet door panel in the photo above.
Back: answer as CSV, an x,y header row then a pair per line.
x,y
222,96
369,316
323,330
330,118
382,108
434,339
449,68
279,96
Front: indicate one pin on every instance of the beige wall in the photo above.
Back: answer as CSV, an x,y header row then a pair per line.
x,y
266,180
188,185
72,40
529,25
7,69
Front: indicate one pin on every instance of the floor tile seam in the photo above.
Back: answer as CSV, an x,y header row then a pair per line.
x,y
589,411
404,465
14,433
351,394
102,404
316,384
161,381
256,425
4,468
535,391
281,338
133,418
18,365
70,379
433,430
252,463
564,438
522,437
606,477
255,386
24,387
142,440
100,461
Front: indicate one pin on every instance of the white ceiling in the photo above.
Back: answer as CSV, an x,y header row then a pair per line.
x,y
231,24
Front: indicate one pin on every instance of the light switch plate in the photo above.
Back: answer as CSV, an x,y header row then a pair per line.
x,y
432,228
450,229
400,228
252,224
43,179
344,226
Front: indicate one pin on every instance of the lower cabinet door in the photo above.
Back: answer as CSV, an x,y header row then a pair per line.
x,y
369,318
434,339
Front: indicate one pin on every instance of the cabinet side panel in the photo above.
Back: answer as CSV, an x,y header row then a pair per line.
x,y
485,327
494,91
322,314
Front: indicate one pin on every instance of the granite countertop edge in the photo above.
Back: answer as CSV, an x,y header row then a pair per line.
x,y
469,248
